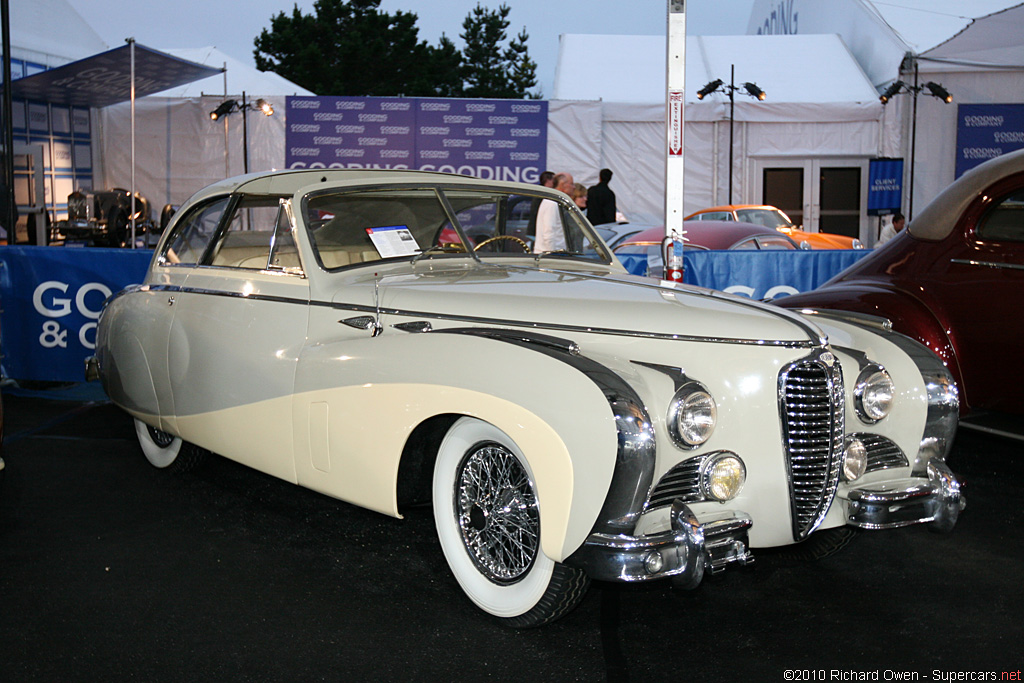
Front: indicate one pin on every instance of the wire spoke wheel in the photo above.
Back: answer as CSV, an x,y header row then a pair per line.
x,y
497,513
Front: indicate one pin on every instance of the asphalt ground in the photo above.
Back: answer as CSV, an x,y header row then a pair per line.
x,y
111,570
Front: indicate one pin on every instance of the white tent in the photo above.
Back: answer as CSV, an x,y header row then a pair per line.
x,y
239,77
51,33
609,112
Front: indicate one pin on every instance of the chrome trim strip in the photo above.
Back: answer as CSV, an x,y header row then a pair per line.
x,y
633,475
987,264
499,322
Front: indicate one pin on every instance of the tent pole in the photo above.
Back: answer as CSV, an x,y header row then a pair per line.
x,y
10,217
131,53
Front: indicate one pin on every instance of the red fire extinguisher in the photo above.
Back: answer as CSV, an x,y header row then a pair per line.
x,y
672,257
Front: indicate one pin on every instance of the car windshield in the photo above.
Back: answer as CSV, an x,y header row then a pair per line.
x,y
769,218
351,227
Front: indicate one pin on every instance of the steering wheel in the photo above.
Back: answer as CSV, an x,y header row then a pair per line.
x,y
522,243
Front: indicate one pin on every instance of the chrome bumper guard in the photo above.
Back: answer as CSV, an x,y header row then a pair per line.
x,y
909,501
684,553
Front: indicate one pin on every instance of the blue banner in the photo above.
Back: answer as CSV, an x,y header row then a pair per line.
x,y
885,186
489,139
768,274
50,299
986,131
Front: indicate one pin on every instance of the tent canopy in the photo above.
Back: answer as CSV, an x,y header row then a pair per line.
x,y
790,69
240,77
105,79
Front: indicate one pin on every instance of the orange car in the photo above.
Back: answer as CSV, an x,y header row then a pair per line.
x,y
770,217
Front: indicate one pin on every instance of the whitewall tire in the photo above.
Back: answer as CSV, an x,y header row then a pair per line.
x,y
166,451
488,522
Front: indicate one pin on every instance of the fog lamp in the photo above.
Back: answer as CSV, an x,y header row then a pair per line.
x,y
873,394
654,562
722,476
855,461
692,415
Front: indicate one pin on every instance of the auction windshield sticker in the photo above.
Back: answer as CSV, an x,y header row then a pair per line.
x,y
489,139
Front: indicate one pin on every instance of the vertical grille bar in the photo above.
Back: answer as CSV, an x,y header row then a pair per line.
x,y
811,405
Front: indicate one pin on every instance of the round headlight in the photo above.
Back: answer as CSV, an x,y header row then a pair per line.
x,y
722,476
692,416
873,394
855,462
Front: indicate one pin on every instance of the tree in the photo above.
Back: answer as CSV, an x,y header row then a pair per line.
x,y
488,70
350,47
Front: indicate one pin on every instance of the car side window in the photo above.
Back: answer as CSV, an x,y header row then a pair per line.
x,y
254,230
192,234
1005,221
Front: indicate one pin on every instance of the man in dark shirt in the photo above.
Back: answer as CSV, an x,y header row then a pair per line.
x,y
601,200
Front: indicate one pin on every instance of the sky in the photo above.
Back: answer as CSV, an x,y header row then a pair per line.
x,y
231,27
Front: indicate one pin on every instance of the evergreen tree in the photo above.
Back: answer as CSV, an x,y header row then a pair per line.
x,y
350,47
488,70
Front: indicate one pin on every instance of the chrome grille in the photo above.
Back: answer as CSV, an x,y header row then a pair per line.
x,y
811,403
883,454
682,482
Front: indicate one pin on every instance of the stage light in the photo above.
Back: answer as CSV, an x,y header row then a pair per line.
x,y
936,90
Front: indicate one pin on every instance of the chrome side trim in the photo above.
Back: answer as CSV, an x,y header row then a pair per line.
x,y
987,264
633,475
501,322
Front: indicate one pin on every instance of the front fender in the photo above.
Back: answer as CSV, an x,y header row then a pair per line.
x,y
909,315
357,401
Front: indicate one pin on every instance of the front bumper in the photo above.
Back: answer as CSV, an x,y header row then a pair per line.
x,y
937,501
684,552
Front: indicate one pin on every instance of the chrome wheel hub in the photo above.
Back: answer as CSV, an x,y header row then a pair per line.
x,y
496,510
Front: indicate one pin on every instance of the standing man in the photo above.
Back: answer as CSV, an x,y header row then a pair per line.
x,y
601,200
550,231
891,230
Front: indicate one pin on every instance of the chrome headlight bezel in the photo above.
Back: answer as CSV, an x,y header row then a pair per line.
x,y
872,379
709,469
691,435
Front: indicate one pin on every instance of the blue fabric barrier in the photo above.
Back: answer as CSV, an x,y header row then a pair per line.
x,y
50,298
757,274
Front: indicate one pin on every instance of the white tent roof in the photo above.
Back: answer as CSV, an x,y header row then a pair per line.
x,y
241,77
790,69
51,32
991,40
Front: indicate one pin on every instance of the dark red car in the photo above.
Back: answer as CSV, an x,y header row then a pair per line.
x,y
954,280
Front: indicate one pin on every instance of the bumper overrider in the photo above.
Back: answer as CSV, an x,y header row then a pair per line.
x,y
684,553
937,501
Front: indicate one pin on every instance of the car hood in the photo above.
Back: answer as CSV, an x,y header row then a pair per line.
x,y
562,300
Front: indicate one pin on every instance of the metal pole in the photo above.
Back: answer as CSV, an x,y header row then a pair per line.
x,y
675,119
245,134
131,52
10,218
913,149
732,110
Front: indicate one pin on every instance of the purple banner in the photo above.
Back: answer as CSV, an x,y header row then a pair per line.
x,y
490,139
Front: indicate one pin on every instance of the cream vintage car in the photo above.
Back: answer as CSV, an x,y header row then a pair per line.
x,y
339,330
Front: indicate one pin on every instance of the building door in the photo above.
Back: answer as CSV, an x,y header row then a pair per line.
x,y
821,195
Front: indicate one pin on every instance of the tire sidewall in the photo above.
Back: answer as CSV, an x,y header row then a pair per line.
x,y
506,601
158,456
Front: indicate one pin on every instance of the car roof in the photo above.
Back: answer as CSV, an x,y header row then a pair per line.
x,y
287,182
708,234
938,219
